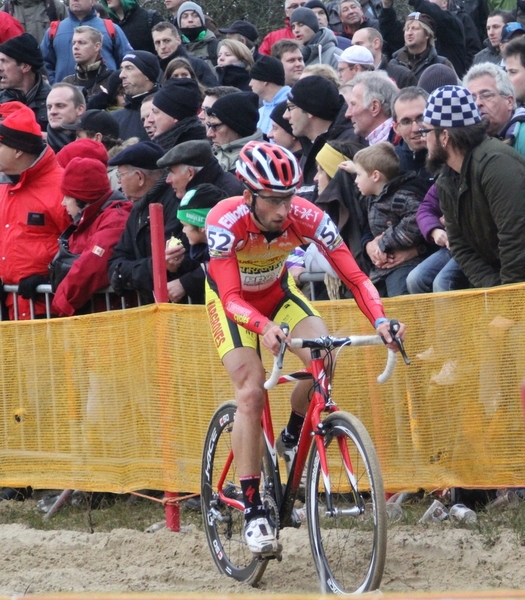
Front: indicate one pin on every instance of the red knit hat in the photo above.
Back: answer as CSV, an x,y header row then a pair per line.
x,y
19,130
85,179
7,108
83,148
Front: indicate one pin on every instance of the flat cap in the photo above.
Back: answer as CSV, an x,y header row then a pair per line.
x,y
143,155
195,153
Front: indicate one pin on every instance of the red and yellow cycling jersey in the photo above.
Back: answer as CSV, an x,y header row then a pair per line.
x,y
247,267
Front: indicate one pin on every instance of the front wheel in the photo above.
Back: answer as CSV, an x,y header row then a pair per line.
x,y
346,513
224,524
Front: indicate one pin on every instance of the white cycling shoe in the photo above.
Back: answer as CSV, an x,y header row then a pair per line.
x,y
261,538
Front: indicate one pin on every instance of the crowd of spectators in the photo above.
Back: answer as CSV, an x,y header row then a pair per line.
x,y
409,132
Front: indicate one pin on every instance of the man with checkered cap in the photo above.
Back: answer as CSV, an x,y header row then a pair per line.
x,y
480,189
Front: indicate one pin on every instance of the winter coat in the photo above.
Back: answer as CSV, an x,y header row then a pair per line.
x,y
202,69
429,214
269,40
205,48
31,222
137,24
58,58
129,119
402,76
484,209
228,153
35,99
325,42
98,230
131,266
235,75
429,57
393,213
33,15
450,34
9,27
91,80
488,54
189,128
413,161
472,40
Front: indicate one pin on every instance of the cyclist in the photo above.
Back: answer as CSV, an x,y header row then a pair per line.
x,y
249,292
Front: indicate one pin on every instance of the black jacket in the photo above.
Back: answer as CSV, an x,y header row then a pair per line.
x,y
34,99
213,173
190,128
129,117
137,24
131,268
234,75
90,81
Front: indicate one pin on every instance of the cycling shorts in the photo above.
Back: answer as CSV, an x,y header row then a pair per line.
x,y
290,307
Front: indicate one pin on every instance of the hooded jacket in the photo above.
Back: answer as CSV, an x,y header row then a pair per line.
x,y
97,232
322,48
31,223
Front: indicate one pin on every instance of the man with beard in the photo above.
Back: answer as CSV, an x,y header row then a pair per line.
x,y
480,189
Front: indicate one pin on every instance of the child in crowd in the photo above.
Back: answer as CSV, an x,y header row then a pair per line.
x,y
193,210
394,243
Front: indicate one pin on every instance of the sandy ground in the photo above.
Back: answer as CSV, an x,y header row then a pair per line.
x,y
433,557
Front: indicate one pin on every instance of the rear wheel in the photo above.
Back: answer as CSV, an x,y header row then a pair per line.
x,y
224,524
346,516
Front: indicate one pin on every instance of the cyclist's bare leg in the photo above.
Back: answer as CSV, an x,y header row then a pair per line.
x,y
310,327
247,376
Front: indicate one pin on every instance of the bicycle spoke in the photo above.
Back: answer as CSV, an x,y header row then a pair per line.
x,y
224,524
347,517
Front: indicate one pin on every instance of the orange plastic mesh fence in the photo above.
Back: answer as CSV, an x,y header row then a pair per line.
x,y
121,401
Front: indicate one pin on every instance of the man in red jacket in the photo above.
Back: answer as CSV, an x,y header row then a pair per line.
x,y
285,32
31,214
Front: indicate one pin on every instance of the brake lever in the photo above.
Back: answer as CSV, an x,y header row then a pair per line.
x,y
394,330
285,328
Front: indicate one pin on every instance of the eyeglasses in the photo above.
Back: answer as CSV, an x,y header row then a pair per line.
x,y
275,201
423,131
484,96
290,107
120,174
406,122
213,126
347,68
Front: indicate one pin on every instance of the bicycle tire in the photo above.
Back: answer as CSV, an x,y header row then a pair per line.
x,y
349,551
224,525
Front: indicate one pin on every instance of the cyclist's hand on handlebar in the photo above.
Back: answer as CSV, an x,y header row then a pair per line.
x,y
272,337
383,330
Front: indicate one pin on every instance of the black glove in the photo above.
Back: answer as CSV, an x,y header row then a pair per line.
x,y
107,98
27,286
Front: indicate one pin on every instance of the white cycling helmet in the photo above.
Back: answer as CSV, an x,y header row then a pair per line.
x,y
264,166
